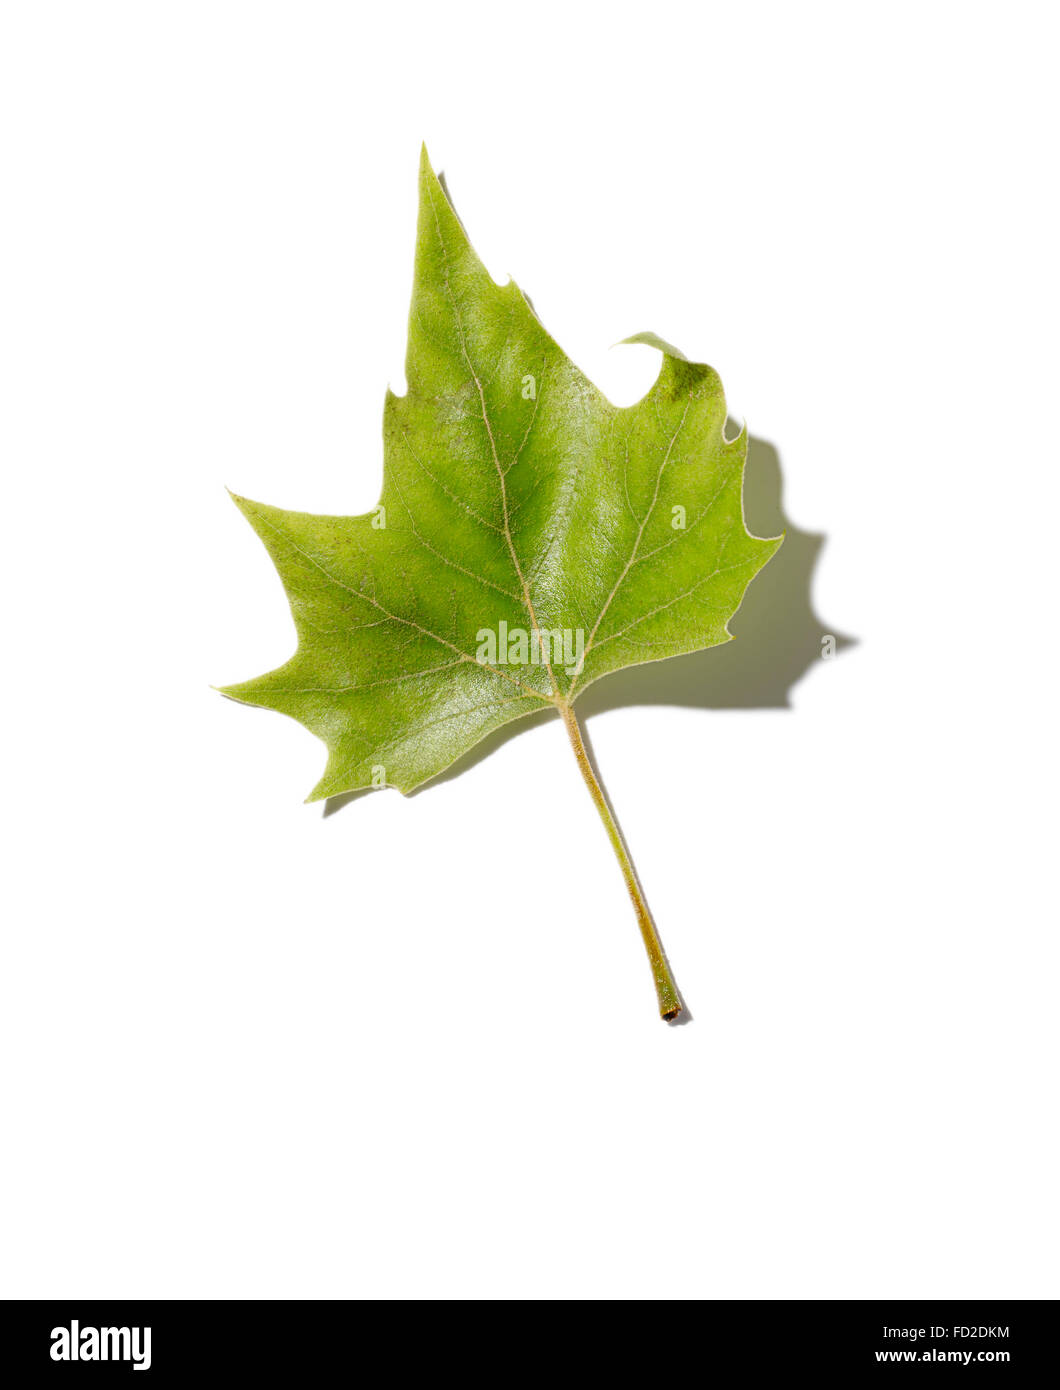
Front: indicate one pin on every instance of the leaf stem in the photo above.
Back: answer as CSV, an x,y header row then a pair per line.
x,y
670,1004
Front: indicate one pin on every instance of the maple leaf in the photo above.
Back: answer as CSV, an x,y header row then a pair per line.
x,y
530,538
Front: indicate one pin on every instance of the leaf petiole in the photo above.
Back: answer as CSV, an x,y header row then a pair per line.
x,y
670,1003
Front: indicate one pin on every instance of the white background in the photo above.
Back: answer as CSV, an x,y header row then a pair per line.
x,y
410,1049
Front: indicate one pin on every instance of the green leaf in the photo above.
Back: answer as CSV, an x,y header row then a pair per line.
x,y
531,537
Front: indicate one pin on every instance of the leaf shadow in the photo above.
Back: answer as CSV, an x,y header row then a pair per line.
x,y
778,637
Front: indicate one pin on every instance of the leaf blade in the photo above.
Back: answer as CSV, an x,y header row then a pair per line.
x,y
515,497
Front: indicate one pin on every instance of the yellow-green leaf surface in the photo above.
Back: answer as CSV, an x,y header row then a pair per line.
x,y
514,493
531,537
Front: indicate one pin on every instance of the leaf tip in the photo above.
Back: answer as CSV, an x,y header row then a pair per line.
x,y
740,437
653,340
427,173
237,692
